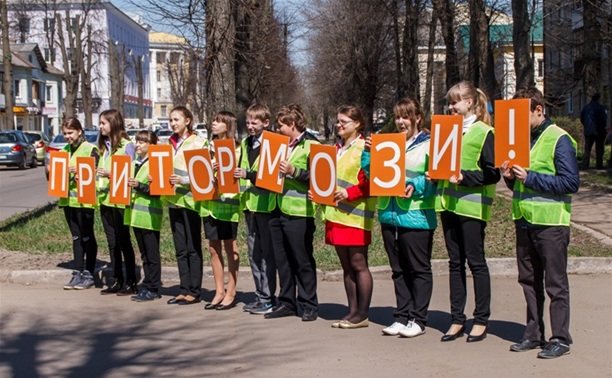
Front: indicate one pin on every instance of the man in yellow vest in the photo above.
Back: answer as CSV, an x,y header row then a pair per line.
x,y
541,209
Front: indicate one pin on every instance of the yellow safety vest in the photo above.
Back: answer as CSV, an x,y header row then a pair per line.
x,y
84,150
104,182
145,211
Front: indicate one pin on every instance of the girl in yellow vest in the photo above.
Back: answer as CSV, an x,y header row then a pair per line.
x,y
465,205
145,215
348,225
184,212
221,227
80,217
113,140
407,224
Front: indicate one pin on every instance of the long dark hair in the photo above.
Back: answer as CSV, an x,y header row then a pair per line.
x,y
117,130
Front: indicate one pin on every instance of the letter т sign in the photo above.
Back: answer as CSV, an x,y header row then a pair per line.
x,y
160,169
445,146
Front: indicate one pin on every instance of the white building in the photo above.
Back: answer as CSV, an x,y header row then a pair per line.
x,y
36,24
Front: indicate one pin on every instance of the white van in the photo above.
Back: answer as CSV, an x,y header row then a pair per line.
x,y
201,130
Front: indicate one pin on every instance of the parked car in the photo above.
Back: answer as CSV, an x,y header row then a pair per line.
x,y
132,134
163,135
40,140
16,150
201,130
59,142
314,133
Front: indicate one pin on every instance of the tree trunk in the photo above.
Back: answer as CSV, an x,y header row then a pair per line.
x,y
430,64
8,68
140,92
72,67
446,11
592,46
399,71
86,67
521,27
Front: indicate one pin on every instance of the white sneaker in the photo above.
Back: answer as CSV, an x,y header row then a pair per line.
x,y
394,329
411,330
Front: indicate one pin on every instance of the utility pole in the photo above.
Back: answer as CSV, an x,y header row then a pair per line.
x,y
138,68
8,68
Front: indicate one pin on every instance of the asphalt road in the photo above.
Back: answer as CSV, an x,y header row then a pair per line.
x,y
22,190
49,332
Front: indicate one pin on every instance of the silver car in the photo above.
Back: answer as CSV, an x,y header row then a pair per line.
x,y
163,135
59,142
40,140
16,150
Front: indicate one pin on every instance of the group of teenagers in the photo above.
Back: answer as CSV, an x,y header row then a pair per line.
x,y
280,227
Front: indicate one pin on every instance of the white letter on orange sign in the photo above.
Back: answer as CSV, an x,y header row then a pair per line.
x,y
160,156
391,164
438,153
313,177
192,179
119,178
267,157
64,163
83,182
222,166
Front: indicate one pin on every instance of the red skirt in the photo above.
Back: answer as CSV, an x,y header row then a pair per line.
x,y
339,234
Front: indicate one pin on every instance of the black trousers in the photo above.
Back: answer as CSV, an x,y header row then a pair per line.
x,y
148,244
261,255
409,252
119,244
84,245
292,239
599,150
541,255
464,238
186,228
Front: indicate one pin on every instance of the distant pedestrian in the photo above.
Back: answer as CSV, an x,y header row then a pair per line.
x,y
145,215
113,140
541,209
80,217
594,119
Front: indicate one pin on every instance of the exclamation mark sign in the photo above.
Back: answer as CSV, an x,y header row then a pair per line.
x,y
511,153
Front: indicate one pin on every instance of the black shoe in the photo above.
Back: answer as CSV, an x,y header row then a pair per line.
x,y
525,345
309,315
280,311
211,306
222,307
113,289
473,339
183,302
454,336
128,289
175,300
554,349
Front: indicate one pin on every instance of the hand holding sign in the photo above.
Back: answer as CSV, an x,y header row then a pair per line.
x,y
512,132
445,148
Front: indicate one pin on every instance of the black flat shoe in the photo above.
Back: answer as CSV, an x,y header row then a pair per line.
x,y
473,339
186,301
222,307
174,300
454,336
211,306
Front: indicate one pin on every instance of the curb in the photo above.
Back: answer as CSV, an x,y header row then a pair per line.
x,y
497,267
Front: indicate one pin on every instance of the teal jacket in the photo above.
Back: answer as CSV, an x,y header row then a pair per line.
x,y
396,216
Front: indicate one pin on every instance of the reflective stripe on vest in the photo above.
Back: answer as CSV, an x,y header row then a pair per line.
x,y
417,158
183,196
104,182
145,211
472,202
539,208
253,198
294,199
358,213
84,150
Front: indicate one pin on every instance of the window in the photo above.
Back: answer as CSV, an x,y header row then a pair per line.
x,y
49,93
164,110
23,23
49,24
160,57
17,88
158,75
49,55
540,67
73,23
69,53
158,93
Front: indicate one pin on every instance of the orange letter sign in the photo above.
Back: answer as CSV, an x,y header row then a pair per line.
x,y
120,191
446,131
323,177
86,170
274,149
160,168
225,154
512,132
201,174
388,165
58,174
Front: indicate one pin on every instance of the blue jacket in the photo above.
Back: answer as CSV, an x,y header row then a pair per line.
x,y
396,216
567,178
594,118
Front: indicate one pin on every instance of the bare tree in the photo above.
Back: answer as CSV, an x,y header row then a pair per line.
x,y
8,67
521,28
72,65
446,11
592,45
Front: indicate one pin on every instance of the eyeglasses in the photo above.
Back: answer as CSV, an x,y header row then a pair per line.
x,y
344,122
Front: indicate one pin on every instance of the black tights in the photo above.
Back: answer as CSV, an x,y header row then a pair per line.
x,y
357,281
